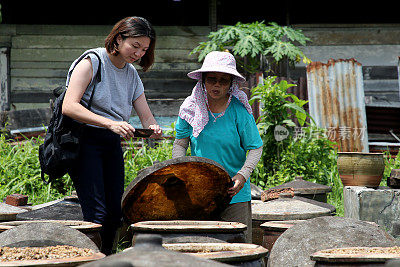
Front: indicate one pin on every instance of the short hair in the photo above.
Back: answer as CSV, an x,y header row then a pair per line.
x,y
133,27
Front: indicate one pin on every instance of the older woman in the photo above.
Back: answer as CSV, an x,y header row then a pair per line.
x,y
216,119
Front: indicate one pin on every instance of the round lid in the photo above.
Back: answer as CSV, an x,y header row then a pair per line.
x,y
305,187
279,225
188,226
286,208
9,212
183,188
357,254
69,260
222,252
41,234
78,225
67,209
148,251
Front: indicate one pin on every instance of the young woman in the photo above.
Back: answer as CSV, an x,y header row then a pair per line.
x,y
217,121
99,174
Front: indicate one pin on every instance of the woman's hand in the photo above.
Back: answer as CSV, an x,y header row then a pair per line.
x,y
122,128
238,183
157,131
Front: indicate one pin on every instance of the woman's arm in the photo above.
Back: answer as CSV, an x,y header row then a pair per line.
x,y
244,173
179,147
146,117
79,81
253,157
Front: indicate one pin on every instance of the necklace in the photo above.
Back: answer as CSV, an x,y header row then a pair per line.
x,y
223,112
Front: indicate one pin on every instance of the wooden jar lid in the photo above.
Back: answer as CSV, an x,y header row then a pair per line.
x,y
222,252
188,226
184,188
357,254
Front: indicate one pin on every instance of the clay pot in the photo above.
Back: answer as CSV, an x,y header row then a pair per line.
x,y
360,169
273,229
286,207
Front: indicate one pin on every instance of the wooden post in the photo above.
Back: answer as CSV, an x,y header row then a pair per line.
x,y
4,79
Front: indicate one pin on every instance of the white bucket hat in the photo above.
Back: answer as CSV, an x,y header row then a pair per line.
x,y
218,61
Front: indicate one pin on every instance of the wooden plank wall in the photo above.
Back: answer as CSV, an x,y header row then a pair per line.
x,y
41,55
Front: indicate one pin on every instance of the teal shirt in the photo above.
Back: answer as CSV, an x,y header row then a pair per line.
x,y
225,141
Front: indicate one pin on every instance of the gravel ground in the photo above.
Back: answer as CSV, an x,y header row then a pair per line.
x,y
42,253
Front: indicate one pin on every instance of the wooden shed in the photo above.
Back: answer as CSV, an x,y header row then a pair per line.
x,y
37,45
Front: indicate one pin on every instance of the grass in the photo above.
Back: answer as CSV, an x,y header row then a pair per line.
x,y
20,171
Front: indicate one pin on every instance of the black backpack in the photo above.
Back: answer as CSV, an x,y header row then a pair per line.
x,y
60,149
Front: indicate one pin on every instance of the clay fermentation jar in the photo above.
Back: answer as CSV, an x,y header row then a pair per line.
x,y
273,229
187,231
286,207
360,169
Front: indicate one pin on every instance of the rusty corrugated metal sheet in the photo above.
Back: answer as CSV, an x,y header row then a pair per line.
x,y
336,102
398,73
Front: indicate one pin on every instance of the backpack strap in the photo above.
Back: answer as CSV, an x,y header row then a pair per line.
x,y
59,92
96,80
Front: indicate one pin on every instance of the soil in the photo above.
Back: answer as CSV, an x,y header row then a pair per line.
x,y
42,253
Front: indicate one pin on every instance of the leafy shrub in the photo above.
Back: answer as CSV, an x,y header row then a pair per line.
x,y
307,152
254,40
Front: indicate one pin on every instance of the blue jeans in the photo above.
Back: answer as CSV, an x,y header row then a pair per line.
x,y
99,181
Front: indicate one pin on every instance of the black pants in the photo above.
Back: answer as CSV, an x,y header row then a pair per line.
x,y
99,181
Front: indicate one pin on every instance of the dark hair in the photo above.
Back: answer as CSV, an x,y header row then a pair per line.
x,y
133,27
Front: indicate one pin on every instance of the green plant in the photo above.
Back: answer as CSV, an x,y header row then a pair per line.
x,y
20,172
390,164
303,151
276,112
138,159
171,130
254,40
